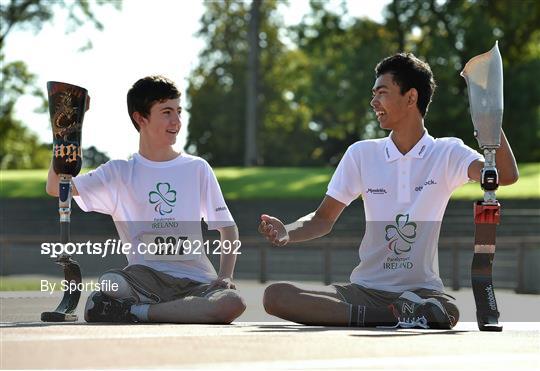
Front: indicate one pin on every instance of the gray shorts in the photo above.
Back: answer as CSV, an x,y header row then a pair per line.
x,y
159,287
360,295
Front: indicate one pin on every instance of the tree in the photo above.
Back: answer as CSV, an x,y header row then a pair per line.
x,y
19,148
444,33
217,91
449,33
252,87
341,60
315,94
92,157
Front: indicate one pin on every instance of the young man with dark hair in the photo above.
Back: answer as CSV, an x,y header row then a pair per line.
x,y
405,180
159,197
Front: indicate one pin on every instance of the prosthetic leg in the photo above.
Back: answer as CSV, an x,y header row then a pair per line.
x,y
67,105
486,218
64,312
484,76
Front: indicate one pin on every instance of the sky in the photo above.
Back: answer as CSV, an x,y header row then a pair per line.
x,y
145,37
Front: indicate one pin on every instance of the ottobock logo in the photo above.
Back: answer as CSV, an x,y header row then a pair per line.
x,y
426,183
163,197
491,298
401,235
376,191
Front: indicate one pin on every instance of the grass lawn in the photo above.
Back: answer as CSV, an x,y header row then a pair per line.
x,y
273,183
8,283
528,186
32,282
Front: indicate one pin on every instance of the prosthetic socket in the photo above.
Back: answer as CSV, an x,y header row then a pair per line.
x,y
484,77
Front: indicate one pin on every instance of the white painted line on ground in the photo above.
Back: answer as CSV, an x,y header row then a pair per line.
x,y
152,331
156,333
426,362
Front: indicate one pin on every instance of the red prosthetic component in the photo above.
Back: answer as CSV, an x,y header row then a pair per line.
x,y
487,214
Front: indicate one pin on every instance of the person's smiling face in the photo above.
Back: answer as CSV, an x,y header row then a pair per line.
x,y
390,106
163,123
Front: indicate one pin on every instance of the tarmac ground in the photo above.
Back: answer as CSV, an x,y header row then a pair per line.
x,y
259,341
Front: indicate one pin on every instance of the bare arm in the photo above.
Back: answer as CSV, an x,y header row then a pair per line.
x,y
53,181
228,260
311,226
505,161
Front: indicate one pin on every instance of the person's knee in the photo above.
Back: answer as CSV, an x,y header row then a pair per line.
x,y
277,296
228,306
115,286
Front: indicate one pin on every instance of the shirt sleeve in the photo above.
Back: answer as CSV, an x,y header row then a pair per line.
x,y
97,190
346,184
213,208
460,158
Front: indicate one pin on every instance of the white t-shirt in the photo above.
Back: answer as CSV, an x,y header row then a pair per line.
x,y
152,202
404,201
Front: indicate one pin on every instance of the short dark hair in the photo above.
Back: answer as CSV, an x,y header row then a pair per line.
x,y
410,72
148,91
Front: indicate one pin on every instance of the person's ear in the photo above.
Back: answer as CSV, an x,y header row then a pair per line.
x,y
412,97
139,119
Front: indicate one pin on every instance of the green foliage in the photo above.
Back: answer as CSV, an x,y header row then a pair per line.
x,y
32,14
315,93
274,183
449,33
217,91
19,147
340,74
92,157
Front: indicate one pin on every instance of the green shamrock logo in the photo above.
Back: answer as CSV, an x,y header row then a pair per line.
x,y
404,231
164,197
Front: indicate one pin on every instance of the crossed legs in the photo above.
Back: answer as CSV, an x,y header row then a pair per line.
x,y
306,304
353,305
220,306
